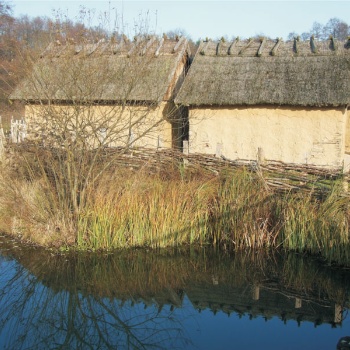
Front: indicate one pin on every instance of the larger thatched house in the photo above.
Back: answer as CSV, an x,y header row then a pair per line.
x,y
118,92
284,101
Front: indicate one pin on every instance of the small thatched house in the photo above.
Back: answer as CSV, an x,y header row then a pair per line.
x,y
274,100
120,92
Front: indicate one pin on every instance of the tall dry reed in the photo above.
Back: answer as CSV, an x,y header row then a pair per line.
x,y
125,208
147,210
319,226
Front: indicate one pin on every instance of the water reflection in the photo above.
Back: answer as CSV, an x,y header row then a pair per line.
x,y
141,299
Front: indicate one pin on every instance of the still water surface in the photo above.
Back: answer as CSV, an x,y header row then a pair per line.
x,y
194,299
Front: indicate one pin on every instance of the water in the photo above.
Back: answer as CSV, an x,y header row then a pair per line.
x,y
192,299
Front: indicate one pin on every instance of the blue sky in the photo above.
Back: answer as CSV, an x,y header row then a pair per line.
x,y
199,19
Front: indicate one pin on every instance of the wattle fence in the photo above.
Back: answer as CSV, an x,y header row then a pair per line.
x,y
277,176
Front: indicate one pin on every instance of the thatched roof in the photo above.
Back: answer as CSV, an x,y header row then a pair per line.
x,y
141,70
260,71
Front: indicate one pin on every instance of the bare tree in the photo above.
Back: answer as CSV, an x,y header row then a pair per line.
x,y
337,28
292,35
83,97
305,36
318,30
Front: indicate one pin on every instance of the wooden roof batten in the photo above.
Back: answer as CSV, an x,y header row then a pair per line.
x,y
160,45
333,43
347,45
149,43
202,52
261,47
296,44
276,47
179,43
250,41
47,49
232,46
217,50
313,44
95,46
136,42
119,47
60,47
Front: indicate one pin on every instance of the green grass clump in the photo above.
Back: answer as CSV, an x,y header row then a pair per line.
x,y
316,225
145,210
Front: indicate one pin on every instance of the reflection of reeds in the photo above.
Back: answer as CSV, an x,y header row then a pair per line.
x,y
160,275
235,209
63,312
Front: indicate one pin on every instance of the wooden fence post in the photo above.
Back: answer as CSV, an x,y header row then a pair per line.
x,y
2,140
261,156
185,150
338,313
218,152
346,183
159,142
346,174
256,293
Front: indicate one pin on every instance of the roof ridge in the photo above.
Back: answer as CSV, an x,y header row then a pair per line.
x,y
140,46
264,47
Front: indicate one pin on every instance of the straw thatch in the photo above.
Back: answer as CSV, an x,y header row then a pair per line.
x,y
142,70
260,71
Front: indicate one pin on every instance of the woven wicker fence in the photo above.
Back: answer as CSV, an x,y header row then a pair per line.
x,y
277,176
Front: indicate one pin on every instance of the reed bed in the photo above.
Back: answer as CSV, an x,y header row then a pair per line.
x,y
143,210
162,201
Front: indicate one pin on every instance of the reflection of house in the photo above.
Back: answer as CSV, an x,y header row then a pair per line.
x,y
266,301
130,85
217,282
273,100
